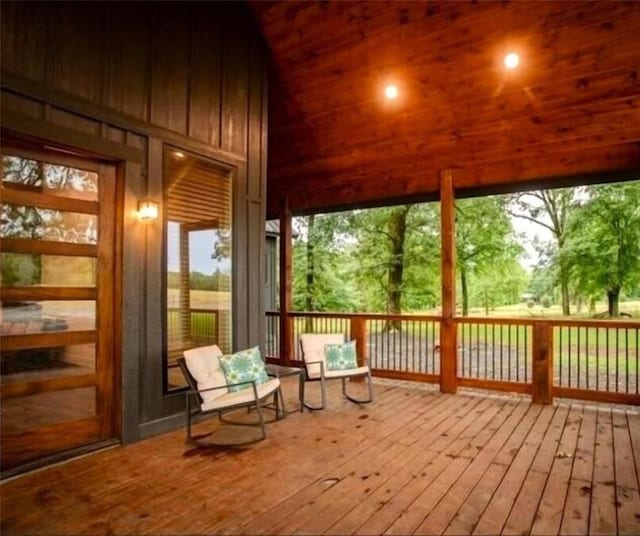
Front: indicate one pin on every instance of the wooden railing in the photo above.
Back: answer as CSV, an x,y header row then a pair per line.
x,y
600,358
587,359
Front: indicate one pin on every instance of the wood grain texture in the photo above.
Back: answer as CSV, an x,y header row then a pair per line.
x,y
332,133
415,461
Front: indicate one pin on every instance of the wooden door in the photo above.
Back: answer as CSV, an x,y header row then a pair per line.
x,y
57,245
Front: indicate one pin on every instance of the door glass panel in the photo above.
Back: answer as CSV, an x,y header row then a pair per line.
x,y
52,397
47,363
198,252
53,179
27,269
24,413
19,221
24,317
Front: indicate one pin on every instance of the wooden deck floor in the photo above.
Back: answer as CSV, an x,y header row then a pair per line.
x,y
414,462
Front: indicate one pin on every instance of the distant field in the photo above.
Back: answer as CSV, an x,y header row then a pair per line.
x,y
202,299
520,310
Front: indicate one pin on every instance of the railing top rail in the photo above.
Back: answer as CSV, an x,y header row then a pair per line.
x,y
495,320
366,316
529,321
596,323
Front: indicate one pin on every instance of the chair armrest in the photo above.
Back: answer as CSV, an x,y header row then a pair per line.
x,y
225,386
321,363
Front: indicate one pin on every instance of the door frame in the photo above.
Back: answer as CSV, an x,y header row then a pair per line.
x,y
106,424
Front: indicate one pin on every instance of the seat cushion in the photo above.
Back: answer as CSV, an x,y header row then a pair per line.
x,y
244,366
341,356
313,348
204,365
245,396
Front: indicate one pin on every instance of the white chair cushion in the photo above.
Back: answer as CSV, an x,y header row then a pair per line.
x,y
204,365
346,373
313,349
241,397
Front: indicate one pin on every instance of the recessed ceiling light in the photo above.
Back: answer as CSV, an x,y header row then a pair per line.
x,y
178,154
391,92
511,60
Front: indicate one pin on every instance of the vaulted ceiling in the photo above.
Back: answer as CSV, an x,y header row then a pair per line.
x,y
571,107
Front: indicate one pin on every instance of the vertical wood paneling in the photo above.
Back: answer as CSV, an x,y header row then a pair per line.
x,y
197,69
24,33
206,75
170,67
240,292
233,135
76,56
128,82
254,132
255,284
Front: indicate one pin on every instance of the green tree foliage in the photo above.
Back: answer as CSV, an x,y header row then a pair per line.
x,y
603,246
486,245
399,257
551,210
323,279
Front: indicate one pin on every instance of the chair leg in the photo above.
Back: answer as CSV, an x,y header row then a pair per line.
x,y
262,428
281,409
356,400
323,395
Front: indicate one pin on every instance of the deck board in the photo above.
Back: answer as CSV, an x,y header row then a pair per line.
x,y
414,462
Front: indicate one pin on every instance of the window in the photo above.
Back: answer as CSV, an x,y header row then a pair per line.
x,y
198,258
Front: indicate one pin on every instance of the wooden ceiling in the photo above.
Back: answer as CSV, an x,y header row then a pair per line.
x,y
572,107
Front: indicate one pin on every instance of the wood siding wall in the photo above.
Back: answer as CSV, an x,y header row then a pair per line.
x,y
121,81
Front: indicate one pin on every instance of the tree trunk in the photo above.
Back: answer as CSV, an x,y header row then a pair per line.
x,y
397,227
613,296
465,290
564,286
309,301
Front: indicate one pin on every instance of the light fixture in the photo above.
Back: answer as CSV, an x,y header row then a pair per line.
x,y
391,92
148,210
178,154
511,60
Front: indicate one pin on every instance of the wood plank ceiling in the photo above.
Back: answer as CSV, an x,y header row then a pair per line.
x,y
572,107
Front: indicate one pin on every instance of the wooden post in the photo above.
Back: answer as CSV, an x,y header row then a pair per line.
x,y
286,323
542,372
358,330
448,328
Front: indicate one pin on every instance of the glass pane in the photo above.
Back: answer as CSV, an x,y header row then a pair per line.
x,y
52,179
25,270
23,317
27,412
18,221
198,248
47,363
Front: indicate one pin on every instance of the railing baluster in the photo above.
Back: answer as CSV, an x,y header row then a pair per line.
x,y
626,360
607,363
617,354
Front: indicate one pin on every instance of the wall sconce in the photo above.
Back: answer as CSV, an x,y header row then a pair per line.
x,y
147,210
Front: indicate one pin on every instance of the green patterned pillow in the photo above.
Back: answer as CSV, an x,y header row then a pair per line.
x,y
341,356
244,366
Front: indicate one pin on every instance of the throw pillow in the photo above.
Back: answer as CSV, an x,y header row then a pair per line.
x,y
341,356
244,366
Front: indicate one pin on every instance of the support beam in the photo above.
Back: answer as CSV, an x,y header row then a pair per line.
x,y
542,363
448,330
286,301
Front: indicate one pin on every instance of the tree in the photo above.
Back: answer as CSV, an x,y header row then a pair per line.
x,y
484,239
397,248
321,264
551,210
603,246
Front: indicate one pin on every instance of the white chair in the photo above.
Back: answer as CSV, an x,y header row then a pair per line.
x,y
312,347
209,393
